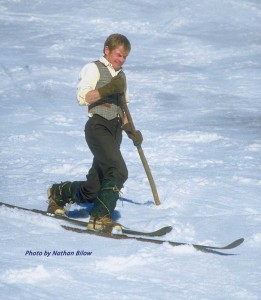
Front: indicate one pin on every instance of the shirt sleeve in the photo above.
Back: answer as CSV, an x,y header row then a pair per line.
x,y
88,78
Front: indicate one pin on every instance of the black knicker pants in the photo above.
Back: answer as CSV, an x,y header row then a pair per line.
x,y
103,138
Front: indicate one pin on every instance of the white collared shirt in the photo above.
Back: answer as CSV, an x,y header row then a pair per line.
x,y
88,78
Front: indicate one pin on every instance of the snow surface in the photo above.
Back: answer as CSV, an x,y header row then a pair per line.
x,y
194,75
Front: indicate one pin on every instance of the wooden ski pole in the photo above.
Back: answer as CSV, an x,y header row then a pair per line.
x,y
140,151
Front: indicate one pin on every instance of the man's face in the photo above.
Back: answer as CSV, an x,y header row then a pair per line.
x,y
116,57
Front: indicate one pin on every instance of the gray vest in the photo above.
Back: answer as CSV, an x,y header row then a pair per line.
x,y
109,107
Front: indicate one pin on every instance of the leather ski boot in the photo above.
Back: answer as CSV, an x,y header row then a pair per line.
x,y
61,196
104,205
105,224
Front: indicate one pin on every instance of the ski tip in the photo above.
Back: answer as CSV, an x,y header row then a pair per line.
x,y
238,242
234,244
168,229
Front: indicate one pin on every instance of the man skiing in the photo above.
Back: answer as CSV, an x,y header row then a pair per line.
x,y
101,84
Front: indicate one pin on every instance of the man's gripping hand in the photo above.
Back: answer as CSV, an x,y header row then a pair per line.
x,y
117,85
137,137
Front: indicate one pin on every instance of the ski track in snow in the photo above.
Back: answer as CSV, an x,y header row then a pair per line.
x,y
194,80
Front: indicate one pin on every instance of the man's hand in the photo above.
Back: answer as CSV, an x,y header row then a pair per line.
x,y
117,85
137,138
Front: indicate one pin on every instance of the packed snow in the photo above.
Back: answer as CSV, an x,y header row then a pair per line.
x,y
194,77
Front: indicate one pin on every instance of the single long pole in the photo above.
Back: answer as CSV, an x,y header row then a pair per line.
x,y
141,153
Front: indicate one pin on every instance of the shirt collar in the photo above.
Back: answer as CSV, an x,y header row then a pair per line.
x,y
108,64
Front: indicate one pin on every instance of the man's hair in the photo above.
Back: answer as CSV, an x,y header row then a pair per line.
x,y
115,40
